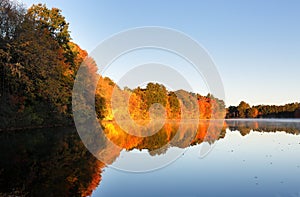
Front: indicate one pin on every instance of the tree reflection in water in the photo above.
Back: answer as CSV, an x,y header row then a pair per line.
x,y
48,162
54,162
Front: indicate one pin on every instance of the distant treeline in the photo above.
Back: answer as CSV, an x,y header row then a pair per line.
x,y
244,110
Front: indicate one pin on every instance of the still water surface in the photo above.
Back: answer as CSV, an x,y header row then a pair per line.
x,y
248,158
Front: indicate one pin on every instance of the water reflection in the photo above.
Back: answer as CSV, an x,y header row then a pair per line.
x,y
173,134
56,163
51,162
291,126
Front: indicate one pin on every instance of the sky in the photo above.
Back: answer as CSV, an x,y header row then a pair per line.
x,y
254,44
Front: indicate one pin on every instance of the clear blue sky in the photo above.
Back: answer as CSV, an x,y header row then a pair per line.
x,y
255,44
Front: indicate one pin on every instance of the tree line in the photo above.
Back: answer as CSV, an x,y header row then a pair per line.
x,y
38,66
244,110
138,102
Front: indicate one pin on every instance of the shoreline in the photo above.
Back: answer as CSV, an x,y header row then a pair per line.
x,y
168,120
36,127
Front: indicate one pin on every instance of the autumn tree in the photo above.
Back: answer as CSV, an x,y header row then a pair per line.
x,y
252,112
38,65
11,16
205,108
242,109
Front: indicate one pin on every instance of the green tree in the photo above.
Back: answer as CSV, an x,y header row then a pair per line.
x,y
155,93
52,21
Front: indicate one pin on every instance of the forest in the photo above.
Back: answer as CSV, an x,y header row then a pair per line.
x,y
38,63
38,66
244,110
37,75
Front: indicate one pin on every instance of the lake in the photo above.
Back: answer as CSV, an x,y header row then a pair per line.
x,y
214,158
